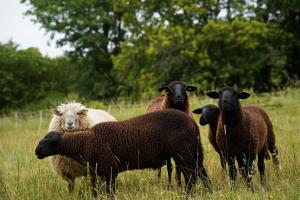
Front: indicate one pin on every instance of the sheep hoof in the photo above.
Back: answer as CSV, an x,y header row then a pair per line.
x,y
267,156
233,186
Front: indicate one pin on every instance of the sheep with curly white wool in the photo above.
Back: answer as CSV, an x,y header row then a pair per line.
x,y
73,117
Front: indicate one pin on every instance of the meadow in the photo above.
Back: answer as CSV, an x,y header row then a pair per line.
x,y
23,176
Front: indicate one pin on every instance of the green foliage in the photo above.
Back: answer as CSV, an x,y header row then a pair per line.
x,y
93,30
129,48
244,47
221,54
28,77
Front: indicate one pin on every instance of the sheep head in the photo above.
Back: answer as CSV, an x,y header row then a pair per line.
x,y
209,114
71,116
176,93
228,98
49,145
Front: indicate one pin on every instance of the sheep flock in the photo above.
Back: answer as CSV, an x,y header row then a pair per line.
x,y
90,142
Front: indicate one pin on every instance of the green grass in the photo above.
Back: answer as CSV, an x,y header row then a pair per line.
x,y
23,176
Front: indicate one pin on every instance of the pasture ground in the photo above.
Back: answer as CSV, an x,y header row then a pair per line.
x,y
23,176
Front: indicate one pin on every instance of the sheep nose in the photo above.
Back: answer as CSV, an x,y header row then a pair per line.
x,y
70,123
179,98
203,121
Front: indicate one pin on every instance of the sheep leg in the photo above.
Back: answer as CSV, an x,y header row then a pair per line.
x,y
232,172
94,185
186,165
110,185
261,168
190,180
205,179
246,168
242,166
249,173
275,158
223,162
178,178
70,180
70,185
169,168
273,149
159,174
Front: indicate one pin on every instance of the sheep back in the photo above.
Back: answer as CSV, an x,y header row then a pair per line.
x,y
142,142
95,116
159,103
162,103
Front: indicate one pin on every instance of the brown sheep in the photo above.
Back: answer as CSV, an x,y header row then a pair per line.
x,y
210,115
242,134
142,142
175,97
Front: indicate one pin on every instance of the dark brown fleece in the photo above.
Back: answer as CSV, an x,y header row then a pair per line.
x,y
271,136
248,135
142,142
162,103
242,134
212,133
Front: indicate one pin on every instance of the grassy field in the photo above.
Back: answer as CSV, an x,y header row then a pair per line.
x,y
23,176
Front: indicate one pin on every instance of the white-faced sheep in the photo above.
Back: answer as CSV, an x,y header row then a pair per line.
x,y
242,133
175,97
141,142
72,117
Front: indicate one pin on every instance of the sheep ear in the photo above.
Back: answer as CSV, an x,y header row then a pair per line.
x,y
165,88
191,88
56,112
82,112
54,136
243,95
213,94
197,111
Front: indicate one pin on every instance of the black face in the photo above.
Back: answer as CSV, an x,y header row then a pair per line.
x,y
177,94
48,145
209,114
228,98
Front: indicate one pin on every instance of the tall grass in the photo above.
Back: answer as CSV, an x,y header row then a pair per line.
x,y
23,176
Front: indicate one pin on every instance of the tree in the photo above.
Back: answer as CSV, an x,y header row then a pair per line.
x,y
93,30
286,14
220,53
27,76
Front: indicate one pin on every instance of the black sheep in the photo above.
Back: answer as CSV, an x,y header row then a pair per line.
x,y
210,115
142,142
174,97
242,133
